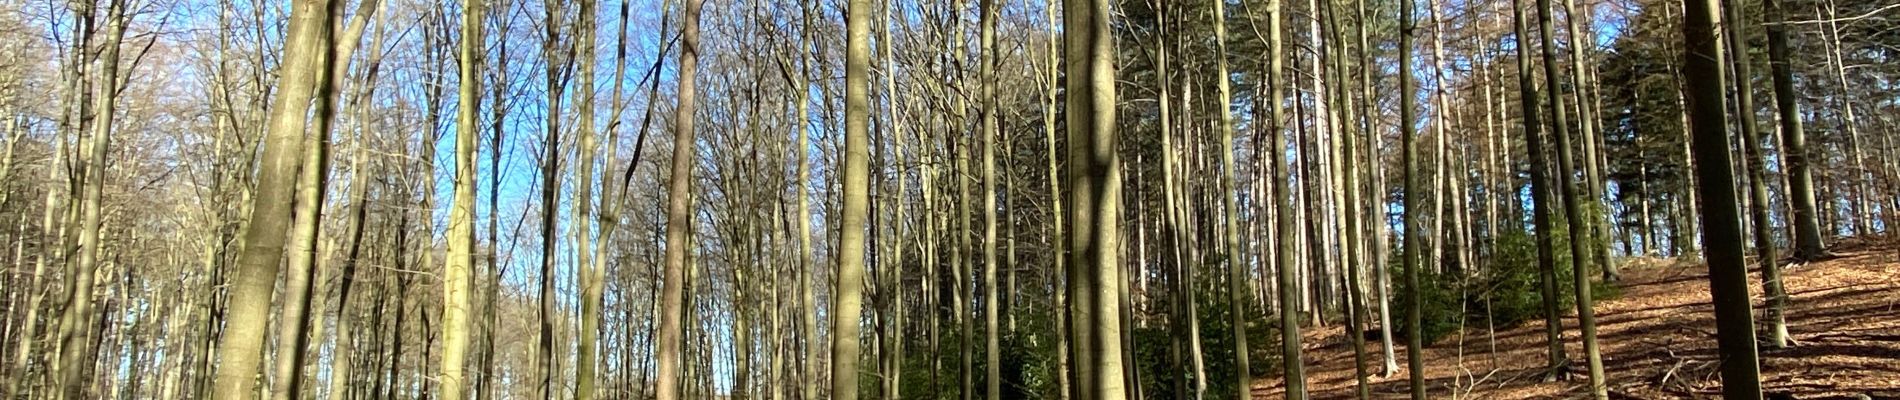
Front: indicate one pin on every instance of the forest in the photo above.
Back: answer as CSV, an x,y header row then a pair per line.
x,y
949,199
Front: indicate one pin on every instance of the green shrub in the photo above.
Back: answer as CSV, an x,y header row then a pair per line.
x,y
1508,289
1438,311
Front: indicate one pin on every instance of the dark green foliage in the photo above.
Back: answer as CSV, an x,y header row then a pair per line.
x,y
1028,361
1507,287
1510,287
1439,314
1153,340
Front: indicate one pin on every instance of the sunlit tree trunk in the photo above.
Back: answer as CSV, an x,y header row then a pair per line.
x,y
589,277
77,349
457,272
1375,207
557,62
24,355
1063,385
1288,285
1351,254
678,210
1237,271
1095,198
855,178
1596,212
241,349
498,85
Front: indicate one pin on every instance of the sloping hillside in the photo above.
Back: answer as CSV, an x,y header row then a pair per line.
x,y
1659,341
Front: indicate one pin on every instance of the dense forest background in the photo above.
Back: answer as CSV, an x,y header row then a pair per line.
x,y
529,196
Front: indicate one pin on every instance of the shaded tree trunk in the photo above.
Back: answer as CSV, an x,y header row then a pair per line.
x,y
1721,215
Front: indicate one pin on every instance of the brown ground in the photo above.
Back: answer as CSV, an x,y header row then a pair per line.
x,y
1658,341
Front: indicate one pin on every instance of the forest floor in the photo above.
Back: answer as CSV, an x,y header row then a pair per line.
x,y
1658,341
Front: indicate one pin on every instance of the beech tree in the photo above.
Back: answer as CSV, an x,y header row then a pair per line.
x,y
1067,200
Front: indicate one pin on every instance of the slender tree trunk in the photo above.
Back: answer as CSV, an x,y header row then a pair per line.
x,y
1377,204
241,347
589,277
557,65
1056,240
1777,329
679,205
993,356
484,383
1540,197
855,177
24,354
1414,239
457,272
1567,189
1288,285
1435,241
1597,225
1794,144
77,350
1237,272
960,264
1807,233
1349,228
808,259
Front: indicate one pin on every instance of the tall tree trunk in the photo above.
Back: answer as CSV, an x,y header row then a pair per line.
x,y
1056,240
1807,233
1376,204
960,264
589,276
1414,239
241,347
306,262
1351,254
457,271
1530,101
993,356
557,65
77,350
808,258
1596,217
484,383
1237,271
1288,236
293,320
678,210
50,235
1567,190
1721,217
1794,143
1764,233
1095,197
855,176
1435,241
